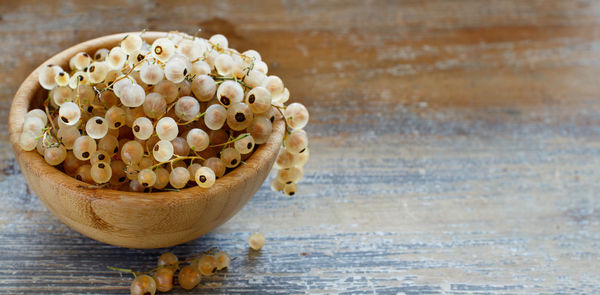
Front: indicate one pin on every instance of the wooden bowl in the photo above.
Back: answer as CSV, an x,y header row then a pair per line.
x,y
129,219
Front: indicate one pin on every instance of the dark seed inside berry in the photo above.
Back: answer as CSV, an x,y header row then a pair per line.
x,y
251,98
64,119
101,165
292,193
78,177
122,178
92,69
249,145
99,121
156,147
85,54
202,178
144,184
272,119
116,150
233,162
98,56
225,100
61,74
85,154
101,157
117,124
136,128
184,71
85,69
158,50
302,150
140,57
90,109
240,117
289,182
80,78
147,190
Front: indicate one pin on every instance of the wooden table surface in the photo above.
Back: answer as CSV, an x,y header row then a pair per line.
x,y
455,148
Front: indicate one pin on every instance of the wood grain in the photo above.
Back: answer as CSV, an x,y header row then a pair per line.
x,y
454,148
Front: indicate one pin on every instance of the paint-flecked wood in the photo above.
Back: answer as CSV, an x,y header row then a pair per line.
x,y
454,148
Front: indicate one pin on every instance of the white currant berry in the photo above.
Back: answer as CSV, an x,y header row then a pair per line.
x,y
205,177
167,129
69,113
197,139
131,43
142,128
162,151
96,127
187,108
203,87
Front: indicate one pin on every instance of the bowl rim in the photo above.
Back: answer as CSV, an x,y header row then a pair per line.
x,y
34,162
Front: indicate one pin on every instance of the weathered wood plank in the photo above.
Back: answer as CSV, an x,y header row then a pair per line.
x,y
454,148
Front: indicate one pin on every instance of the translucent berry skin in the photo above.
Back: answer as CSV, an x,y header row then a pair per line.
x,y
296,141
290,189
277,185
163,151
180,146
216,165
109,144
223,260
259,100
197,139
256,241
168,89
118,176
115,117
155,105
168,258
27,141
230,157
289,175
215,116
245,145
84,147
132,152
260,129
55,155
142,128
204,177
179,177
230,92
219,41
164,279
84,174
166,128
162,178
96,127
146,177
143,285
187,108
206,265
296,115
188,277
69,113
239,116
101,172
100,156
204,87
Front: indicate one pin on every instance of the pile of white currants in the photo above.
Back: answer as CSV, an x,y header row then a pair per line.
x,y
149,117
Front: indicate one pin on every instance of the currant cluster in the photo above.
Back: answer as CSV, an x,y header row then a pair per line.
x,y
161,278
161,116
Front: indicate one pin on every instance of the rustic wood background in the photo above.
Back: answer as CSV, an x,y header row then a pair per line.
x,y
455,148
